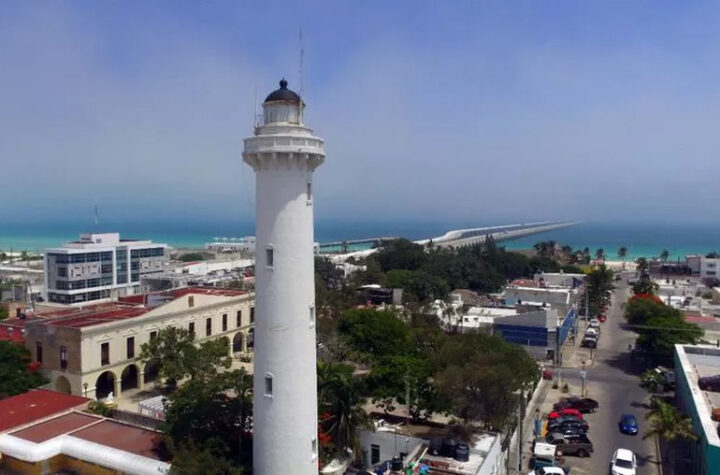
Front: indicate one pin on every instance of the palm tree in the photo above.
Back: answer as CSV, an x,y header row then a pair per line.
x,y
340,406
668,423
642,265
600,254
664,255
622,254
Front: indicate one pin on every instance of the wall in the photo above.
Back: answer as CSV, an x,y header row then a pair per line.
x,y
15,466
391,445
63,462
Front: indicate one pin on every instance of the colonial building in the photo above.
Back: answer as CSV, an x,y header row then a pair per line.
x,y
93,351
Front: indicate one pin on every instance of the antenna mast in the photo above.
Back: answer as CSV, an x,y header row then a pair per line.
x,y
96,216
302,61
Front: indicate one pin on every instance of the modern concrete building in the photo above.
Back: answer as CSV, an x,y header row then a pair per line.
x,y
693,362
284,154
99,267
93,351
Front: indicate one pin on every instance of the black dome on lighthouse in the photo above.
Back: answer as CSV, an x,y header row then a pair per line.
x,y
283,94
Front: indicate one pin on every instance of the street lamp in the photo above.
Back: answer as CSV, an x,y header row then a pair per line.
x,y
85,385
582,379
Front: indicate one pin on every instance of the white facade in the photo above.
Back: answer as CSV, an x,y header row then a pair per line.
x,y
284,154
99,267
78,338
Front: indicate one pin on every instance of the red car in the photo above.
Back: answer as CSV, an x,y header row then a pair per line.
x,y
602,318
565,412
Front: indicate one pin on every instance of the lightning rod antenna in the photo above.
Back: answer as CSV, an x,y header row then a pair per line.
x,y
302,64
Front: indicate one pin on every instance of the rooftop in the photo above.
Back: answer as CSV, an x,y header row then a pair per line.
x,y
699,361
127,307
95,439
35,405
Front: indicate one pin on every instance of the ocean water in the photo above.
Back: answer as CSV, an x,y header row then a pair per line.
x,y
641,239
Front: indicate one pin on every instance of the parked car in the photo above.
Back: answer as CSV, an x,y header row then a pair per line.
x,y
562,423
602,318
578,445
589,341
565,412
710,383
550,471
623,463
628,424
594,323
583,405
592,332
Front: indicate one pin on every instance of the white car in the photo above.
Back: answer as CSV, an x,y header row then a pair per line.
x,y
548,471
623,462
591,332
594,323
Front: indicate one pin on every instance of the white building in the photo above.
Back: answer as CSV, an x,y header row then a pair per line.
x,y
245,244
559,298
388,441
284,153
99,267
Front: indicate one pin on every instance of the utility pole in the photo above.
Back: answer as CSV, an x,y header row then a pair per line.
x,y
520,429
583,374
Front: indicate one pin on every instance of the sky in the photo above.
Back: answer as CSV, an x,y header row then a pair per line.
x,y
470,111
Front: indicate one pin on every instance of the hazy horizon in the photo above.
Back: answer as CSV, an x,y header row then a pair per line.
x,y
455,112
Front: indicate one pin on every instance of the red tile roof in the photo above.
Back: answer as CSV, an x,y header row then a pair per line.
x,y
35,405
123,437
177,293
57,426
93,315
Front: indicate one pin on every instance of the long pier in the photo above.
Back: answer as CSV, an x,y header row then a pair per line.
x,y
463,237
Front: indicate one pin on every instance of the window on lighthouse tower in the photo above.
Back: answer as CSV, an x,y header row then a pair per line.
x,y
269,257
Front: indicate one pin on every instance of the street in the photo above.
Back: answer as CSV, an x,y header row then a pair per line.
x,y
612,380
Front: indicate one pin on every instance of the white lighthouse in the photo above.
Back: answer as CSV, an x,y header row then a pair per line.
x,y
284,153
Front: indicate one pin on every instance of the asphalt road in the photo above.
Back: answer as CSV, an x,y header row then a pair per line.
x,y
612,379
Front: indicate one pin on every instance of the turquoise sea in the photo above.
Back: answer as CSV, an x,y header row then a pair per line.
x,y
641,239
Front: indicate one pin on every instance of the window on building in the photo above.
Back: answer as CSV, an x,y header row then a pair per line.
x,y
153,335
374,454
252,314
130,344
224,322
191,329
63,357
268,385
208,327
312,316
269,257
38,352
105,354
191,301
238,318
314,449
309,191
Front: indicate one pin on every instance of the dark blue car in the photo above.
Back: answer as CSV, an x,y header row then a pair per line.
x,y
628,424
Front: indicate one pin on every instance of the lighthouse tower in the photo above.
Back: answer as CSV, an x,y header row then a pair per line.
x,y
284,153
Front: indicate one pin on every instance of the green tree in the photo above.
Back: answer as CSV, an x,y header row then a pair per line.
x,y
340,408
668,423
194,256
210,458
17,372
659,327
373,335
418,285
599,284
3,313
211,414
645,285
600,254
479,375
664,255
178,356
622,254
400,254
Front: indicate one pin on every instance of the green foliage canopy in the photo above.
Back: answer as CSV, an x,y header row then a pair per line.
x,y
17,374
